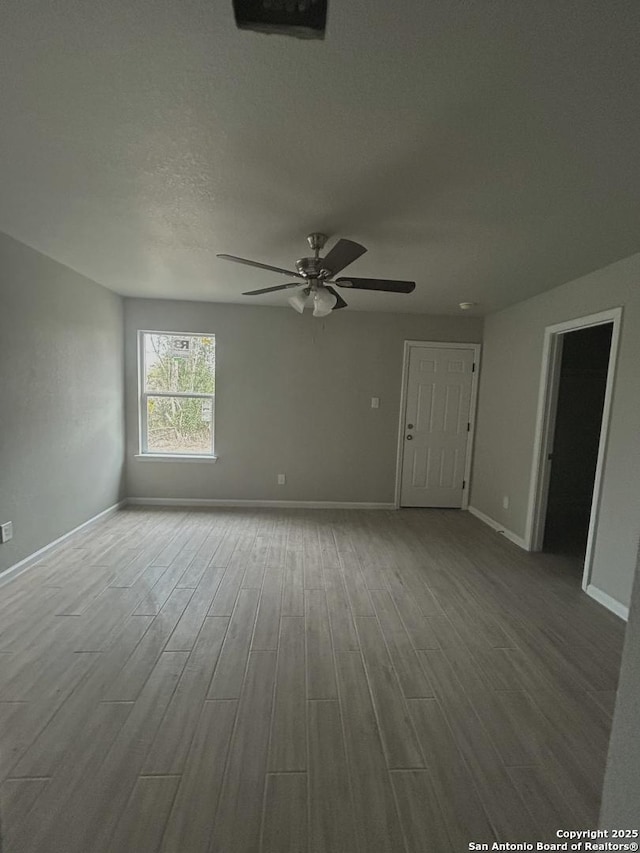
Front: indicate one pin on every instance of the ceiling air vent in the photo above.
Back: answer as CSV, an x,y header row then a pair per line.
x,y
301,18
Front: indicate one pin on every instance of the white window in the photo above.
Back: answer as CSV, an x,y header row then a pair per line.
x,y
177,394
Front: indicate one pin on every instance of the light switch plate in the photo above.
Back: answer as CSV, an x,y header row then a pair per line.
x,y
6,531
375,402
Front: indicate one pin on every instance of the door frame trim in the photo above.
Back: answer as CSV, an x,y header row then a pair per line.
x,y
408,345
545,423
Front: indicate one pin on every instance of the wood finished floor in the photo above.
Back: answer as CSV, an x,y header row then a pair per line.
x,y
237,681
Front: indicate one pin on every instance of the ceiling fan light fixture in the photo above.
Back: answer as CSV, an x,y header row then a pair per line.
x,y
323,302
299,300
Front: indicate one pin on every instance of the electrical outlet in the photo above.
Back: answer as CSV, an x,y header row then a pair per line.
x,y
6,531
505,502
281,479
375,402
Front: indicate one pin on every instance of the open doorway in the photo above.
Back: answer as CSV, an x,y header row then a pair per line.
x,y
579,359
584,363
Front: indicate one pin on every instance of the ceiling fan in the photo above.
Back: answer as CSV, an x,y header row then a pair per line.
x,y
318,275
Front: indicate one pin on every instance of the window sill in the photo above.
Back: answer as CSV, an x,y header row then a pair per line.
x,y
173,457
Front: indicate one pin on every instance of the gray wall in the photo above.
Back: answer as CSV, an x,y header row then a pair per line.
x,y
621,793
292,396
508,396
61,399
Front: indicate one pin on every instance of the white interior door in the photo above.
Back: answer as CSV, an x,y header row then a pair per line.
x,y
436,426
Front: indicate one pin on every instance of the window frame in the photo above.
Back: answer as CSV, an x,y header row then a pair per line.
x,y
143,396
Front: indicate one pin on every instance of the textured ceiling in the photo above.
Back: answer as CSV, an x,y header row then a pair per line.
x,y
488,150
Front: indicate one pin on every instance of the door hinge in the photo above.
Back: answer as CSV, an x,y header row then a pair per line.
x,y
468,425
473,367
464,485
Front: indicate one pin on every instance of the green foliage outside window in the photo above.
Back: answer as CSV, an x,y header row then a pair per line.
x,y
179,424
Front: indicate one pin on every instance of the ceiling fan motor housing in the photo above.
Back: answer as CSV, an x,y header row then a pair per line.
x,y
312,268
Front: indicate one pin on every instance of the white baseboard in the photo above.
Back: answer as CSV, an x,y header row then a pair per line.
x,y
608,602
33,558
597,594
593,591
221,502
499,528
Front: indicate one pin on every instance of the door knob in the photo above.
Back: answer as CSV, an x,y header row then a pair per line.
x,y
409,426
409,437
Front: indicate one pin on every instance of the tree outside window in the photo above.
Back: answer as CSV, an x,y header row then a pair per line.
x,y
178,393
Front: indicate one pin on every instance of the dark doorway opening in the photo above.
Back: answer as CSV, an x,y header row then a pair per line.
x,y
581,392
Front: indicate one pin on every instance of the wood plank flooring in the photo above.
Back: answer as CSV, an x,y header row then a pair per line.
x,y
284,681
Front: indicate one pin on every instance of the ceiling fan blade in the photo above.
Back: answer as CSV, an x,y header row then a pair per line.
x,y
377,284
344,252
260,266
271,289
340,303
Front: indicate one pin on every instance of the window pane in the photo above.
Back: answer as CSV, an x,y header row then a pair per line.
x,y
179,425
179,363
